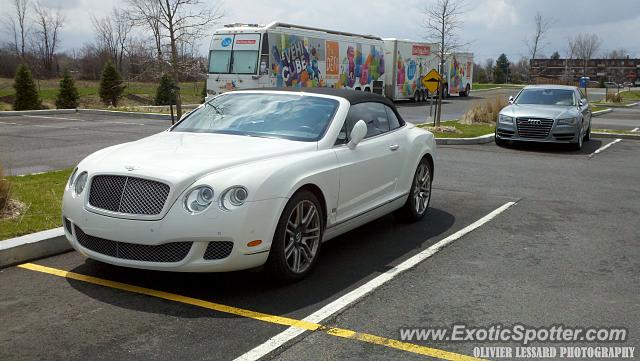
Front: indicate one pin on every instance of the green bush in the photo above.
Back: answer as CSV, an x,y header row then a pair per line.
x,y
26,92
68,96
111,87
166,91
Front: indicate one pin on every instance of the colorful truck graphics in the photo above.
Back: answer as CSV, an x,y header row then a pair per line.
x,y
281,55
459,73
407,62
243,56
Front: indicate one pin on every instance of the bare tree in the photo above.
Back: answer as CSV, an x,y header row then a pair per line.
x,y
17,27
488,68
184,21
442,24
618,54
48,24
536,42
585,46
112,32
571,53
147,13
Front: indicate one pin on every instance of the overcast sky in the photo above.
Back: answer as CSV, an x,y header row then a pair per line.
x,y
490,27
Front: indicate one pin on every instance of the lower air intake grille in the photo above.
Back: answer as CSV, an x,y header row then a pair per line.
x,y
168,252
218,250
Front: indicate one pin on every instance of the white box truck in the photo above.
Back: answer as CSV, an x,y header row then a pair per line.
x,y
406,62
243,56
458,74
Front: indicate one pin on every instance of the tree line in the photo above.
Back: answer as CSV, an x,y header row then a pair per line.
x,y
143,40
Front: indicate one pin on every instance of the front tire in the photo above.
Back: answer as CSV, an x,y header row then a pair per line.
x,y
420,194
297,240
578,145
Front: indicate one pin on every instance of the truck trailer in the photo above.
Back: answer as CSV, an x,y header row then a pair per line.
x,y
406,63
458,74
243,56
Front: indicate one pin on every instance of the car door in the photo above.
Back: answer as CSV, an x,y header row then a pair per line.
x,y
369,172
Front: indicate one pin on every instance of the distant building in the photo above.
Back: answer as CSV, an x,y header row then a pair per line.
x,y
570,70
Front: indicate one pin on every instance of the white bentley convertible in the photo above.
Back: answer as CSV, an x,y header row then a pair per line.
x,y
250,178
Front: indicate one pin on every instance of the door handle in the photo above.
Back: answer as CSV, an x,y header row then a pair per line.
x,y
394,147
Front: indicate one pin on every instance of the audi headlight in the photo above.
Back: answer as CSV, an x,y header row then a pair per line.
x,y
567,121
80,183
505,119
233,197
198,199
72,177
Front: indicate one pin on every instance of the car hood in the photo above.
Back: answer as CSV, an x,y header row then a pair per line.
x,y
540,111
182,158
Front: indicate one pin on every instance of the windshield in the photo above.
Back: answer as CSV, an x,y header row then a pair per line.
x,y
244,61
288,116
219,61
233,61
562,97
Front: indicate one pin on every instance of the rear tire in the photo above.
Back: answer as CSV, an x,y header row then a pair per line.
x,y
587,137
298,238
419,198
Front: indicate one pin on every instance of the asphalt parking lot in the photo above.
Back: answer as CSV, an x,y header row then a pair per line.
x,y
566,252
40,143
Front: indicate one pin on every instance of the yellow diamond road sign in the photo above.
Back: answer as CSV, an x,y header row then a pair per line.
x,y
431,80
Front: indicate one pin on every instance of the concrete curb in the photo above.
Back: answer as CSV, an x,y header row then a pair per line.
x,y
13,113
614,135
600,112
631,105
33,246
483,139
118,112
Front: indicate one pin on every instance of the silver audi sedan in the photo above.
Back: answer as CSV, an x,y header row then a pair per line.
x,y
546,113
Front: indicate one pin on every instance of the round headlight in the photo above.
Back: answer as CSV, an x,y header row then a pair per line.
x,y
72,177
198,199
233,197
80,183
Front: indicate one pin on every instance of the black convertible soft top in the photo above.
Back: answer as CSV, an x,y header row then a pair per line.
x,y
353,96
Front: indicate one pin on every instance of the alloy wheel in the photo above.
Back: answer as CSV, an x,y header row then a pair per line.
x,y
302,236
422,188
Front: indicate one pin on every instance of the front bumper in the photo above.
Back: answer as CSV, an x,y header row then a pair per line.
x,y
556,134
253,221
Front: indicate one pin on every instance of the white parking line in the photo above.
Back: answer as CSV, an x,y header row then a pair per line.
x,y
9,123
57,118
635,130
604,147
351,297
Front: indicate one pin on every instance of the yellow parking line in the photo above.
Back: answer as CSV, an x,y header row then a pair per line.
x,y
279,320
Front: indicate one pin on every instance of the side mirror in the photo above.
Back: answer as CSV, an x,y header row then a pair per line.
x,y
510,99
582,103
358,133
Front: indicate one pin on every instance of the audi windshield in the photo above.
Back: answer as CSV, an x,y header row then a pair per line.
x,y
560,97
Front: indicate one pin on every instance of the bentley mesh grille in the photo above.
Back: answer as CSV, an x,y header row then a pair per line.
x,y
129,195
168,252
533,127
218,250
